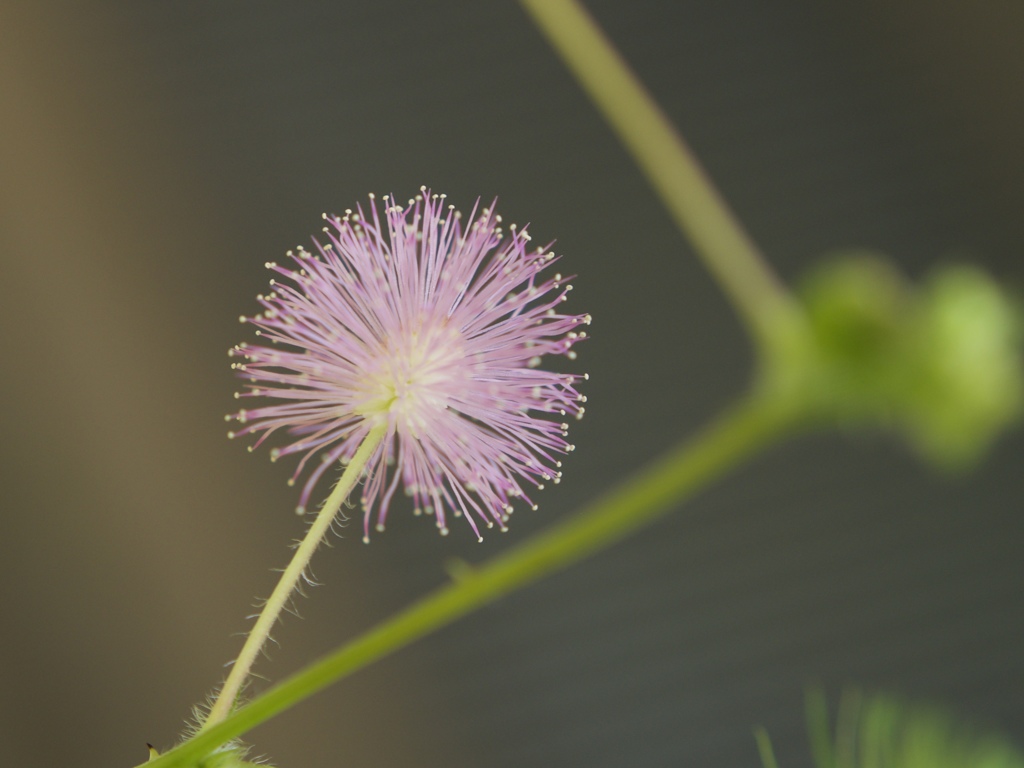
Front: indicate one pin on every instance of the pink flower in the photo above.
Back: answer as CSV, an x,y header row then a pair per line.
x,y
435,326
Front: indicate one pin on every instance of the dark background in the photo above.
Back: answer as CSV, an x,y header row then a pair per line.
x,y
153,155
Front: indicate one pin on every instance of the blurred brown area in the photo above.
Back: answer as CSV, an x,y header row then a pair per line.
x,y
153,156
131,541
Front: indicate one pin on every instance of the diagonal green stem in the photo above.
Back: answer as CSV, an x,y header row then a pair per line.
x,y
651,494
290,578
691,198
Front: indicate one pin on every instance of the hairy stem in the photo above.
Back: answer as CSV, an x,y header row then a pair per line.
x,y
290,578
670,166
651,494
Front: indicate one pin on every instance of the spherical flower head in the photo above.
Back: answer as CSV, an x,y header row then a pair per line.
x,y
435,327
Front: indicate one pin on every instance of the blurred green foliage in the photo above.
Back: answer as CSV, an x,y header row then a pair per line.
x,y
940,363
883,731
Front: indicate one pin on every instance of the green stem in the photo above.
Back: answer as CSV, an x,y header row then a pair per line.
x,y
651,494
290,578
691,198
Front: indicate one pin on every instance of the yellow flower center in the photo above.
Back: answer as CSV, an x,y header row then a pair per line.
x,y
414,379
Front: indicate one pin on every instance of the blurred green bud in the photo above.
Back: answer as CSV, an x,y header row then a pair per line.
x,y
940,363
856,308
970,384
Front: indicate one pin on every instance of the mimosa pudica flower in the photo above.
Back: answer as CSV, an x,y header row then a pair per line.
x,y
436,326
